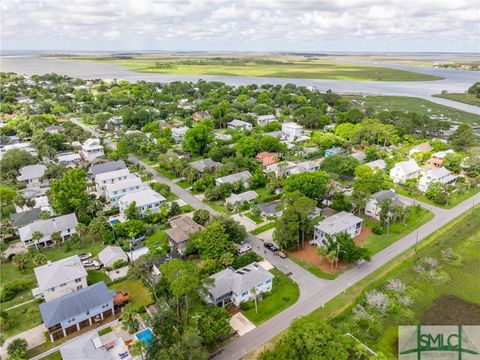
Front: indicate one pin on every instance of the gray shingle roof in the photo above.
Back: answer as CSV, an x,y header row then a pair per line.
x,y
26,217
48,226
338,223
31,172
381,195
59,272
67,306
83,348
230,179
111,254
106,167
207,163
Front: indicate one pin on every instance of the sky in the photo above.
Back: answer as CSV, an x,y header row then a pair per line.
x,y
242,25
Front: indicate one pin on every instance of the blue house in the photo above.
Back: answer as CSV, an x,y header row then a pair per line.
x,y
334,151
72,312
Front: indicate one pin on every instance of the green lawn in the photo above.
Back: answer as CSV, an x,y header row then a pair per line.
x,y
107,330
140,296
416,218
318,69
255,219
19,319
184,184
217,206
95,276
284,293
263,228
314,269
453,202
461,97
411,104
54,356
165,173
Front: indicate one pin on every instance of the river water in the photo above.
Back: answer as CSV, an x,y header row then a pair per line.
x,y
455,80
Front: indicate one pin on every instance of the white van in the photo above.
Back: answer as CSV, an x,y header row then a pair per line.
x,y
243,248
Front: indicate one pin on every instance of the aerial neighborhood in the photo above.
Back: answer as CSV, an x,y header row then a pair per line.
x,y
146,219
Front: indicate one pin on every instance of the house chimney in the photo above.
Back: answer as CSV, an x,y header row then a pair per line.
x,y
255,265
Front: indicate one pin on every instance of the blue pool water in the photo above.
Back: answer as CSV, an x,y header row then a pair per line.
x,y
114,221
146,335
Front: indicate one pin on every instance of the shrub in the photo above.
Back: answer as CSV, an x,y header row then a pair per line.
x,y
246,305
11,289
111,212
245,259
377,229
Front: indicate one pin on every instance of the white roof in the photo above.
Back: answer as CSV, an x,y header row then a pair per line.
x,y
91,144
68,157
239,123
265,117
442,154
338,223
141,198
408,166
31,172
111,254
229,179
48,226
438,173
292,125
129,182
111,175
135,254
245,196
59,272
379,164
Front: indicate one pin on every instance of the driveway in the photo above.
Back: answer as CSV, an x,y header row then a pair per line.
x,y
241,324
34,336
249,224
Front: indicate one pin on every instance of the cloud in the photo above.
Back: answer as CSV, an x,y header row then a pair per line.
x,y
304,25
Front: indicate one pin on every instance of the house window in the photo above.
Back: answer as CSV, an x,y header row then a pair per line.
x,y
244,293
87,313
269,281
52,289
64,284
79,287
78,280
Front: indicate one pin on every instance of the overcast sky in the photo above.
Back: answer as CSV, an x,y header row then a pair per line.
x,y
243,25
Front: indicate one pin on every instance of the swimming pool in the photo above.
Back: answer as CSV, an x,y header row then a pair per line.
x,y
146,335
114,221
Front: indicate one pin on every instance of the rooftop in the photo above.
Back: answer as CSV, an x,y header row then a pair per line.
x,y
31,172
106,167
59,272
142,197
338,223
48,226
111,175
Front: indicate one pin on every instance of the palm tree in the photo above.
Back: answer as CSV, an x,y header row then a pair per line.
x,y
81,230
39,259
332,259
138,348
31,313
56,237
20,260
36,237
129,318
254,294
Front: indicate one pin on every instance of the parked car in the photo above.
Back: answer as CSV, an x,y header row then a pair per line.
x,y
91,263
85,256
270,246
281,254
243,248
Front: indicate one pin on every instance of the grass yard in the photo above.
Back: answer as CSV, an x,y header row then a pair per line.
x,y
453,202
165,173
21,319
284,293
254,218
416,218
263,228
54,356
283,67
411,104
315,270
217,206
184,184
95,276
140,296
461,97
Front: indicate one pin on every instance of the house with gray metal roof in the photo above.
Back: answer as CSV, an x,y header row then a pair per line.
x,y
374,204
106,167
31,175
335,224
65,225
61,277
377,164
243,176
24,218
77,310
111,254
206,165
236,286
441,175
405,170
146,201
239,125
245,197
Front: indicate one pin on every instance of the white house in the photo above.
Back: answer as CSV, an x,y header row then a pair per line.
x,y
61,277
111,254
91,149
239,125
286,168
243,176
405,170
178,133
263,120
25,146
292,131
442,175
113,192
31,175
335,224
69,159
373,206
111,177
64,224
423,147
145,201
245,197
236,286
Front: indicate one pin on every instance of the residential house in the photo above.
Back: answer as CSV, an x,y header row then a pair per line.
x,y
64,224
56,279
223,137
113,192
93,346
436,161
39,195
25,146
334,151
72,312
111,177
32,175
91,149
287,168
360,156
110,255
263,120
110,166
271,209
184,104
441,175
306,166
206,165
245,197
405,170
423,147
24,218
377,165
292,131
146,201
178,133
239,125
181,229
335,224
267,158
201,115
69,159
243,177
236,286
373,206
54,129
